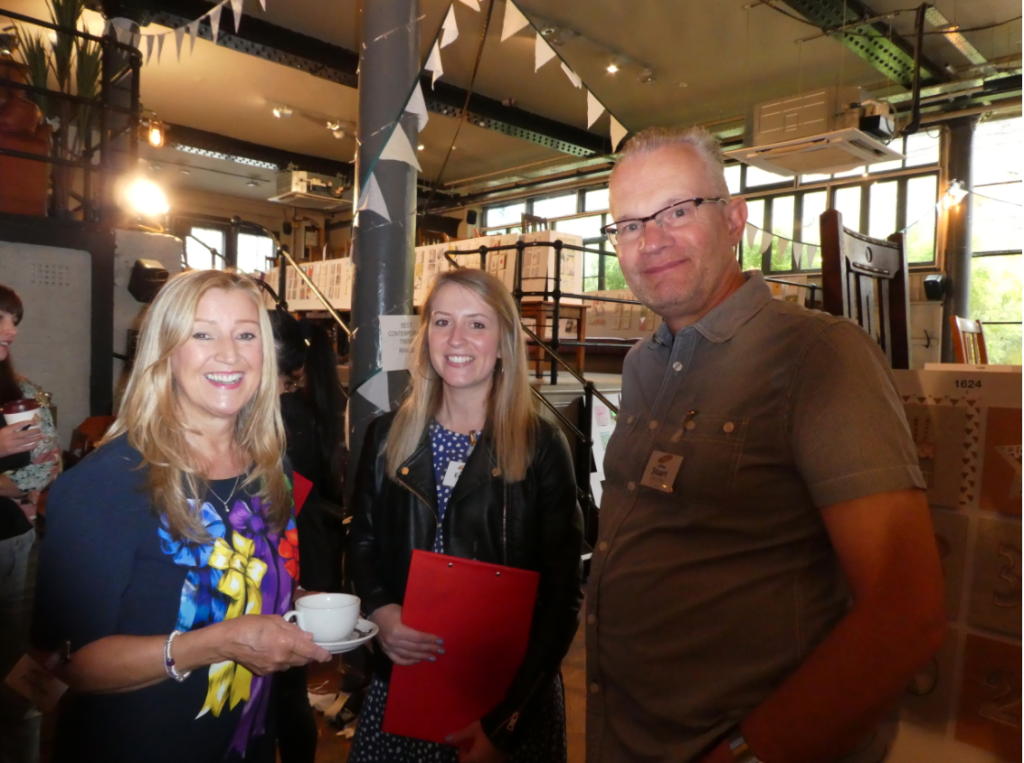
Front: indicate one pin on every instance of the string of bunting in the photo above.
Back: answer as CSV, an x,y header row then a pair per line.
x,y
138,39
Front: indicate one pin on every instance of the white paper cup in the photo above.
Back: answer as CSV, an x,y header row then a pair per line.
x,y
26,416
330,617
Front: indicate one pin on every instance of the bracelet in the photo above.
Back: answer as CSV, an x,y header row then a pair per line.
x,y
172,671
739,748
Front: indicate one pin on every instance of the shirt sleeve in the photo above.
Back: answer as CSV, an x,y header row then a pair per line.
x,y
847,427
94,521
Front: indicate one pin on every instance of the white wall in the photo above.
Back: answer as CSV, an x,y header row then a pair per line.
x,y
53,344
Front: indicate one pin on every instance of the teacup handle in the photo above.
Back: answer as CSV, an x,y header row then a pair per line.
x,y
294,616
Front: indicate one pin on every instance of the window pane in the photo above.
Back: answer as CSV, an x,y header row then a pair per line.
x,y
507,215
783,210
922,148
757,177
199,257
808,179
751,258
591,263
555,206
996,296
895,164
585,227
613,278
996,152
919,236
847,201
253,252
732,178
814,204
595,201
996,224
996,288
882,214
851,173
1003,344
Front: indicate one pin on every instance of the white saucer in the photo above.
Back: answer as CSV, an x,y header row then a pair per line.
x,y
364,631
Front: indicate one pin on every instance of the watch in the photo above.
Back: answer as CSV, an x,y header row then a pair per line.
x,y
739,748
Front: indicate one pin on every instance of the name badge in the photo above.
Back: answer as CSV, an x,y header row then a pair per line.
x,y
452,475
32,681
661,471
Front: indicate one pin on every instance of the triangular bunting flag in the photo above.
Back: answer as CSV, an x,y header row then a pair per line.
x,y
798,254
108,27
783,249
149,46
375,389
398,148
193,30
751,235
542,53
449,30
811,252
574,78
159,46
236,8
263,5
179,34
474,4
136,40
766,241
594,109
418,106
215,21
433,64
618,132
124,36
513,22
372,199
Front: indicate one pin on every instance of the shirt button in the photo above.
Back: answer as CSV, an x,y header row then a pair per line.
x,y
691,424
594,688
728,426
631,486
404,470
653,425
591,619
631,419
602,546
677,366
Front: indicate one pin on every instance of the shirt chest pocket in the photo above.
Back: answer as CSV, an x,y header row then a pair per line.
x,y
712,448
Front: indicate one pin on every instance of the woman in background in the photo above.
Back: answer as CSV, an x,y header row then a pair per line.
x,y
466,467
29,461
170,554
311,402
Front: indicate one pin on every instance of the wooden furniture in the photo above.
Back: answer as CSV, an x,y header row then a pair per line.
x,y
532,223
542,313
865,279
968,341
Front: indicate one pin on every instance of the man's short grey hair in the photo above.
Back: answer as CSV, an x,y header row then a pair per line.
x,y
704,143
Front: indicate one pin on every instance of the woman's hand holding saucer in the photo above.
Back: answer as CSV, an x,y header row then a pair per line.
x,y
402,644
267,643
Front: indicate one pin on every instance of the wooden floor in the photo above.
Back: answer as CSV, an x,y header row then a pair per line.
x,y
334,749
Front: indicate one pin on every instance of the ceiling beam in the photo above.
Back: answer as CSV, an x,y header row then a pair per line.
x,y
873,40
336,64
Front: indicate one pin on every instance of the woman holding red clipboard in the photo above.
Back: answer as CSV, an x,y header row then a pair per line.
x,y
466,467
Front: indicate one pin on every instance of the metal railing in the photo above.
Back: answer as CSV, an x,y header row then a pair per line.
x,y
115,118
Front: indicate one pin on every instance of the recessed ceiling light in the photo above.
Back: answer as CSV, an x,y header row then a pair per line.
x,y
419,147
682,84
185,171
282,111
253,183
612,68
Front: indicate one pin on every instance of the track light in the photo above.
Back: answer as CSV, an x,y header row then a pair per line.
x,y
282,111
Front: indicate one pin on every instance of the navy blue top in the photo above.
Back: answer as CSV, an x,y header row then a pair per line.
x,y
109,566
447,446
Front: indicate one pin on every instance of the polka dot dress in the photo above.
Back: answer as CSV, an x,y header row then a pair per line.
x,y
542,742
448,447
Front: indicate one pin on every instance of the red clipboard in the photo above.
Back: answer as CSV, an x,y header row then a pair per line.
x,y
301,488
483,612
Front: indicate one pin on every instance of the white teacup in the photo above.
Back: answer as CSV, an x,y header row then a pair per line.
x,y
330,617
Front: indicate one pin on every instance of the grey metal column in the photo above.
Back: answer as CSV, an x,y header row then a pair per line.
x,y
958,231
382,254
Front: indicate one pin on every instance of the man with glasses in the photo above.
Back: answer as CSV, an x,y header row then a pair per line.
x,y
765,581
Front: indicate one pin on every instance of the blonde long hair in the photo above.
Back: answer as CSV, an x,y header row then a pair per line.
x,y
511,416
150,417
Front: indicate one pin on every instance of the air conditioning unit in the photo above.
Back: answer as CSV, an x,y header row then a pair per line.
x,y
308,190
823,131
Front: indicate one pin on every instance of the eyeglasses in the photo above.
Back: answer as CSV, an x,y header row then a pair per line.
x,y
678,215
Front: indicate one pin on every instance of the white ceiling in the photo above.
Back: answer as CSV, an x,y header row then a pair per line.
x,y
711,60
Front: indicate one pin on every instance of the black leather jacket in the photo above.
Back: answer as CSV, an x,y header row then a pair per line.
x,y
538,526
